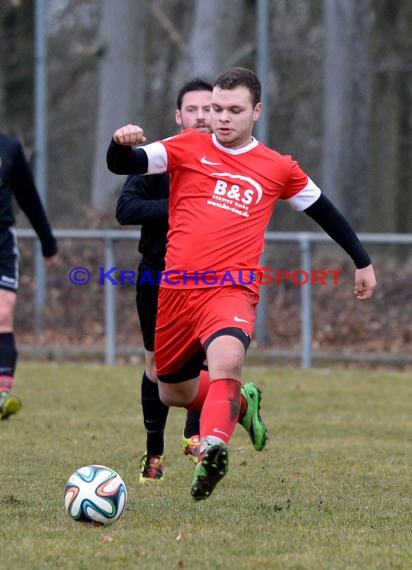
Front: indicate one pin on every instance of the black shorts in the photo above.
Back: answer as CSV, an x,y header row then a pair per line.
x,y
9,260
147,292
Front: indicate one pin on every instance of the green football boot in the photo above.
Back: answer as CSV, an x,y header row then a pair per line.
x,y
209,471
251,421
9,405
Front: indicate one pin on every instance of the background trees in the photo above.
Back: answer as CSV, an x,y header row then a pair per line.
x,y
340,91
346,104
121,85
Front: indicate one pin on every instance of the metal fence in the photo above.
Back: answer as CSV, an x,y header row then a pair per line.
x,y
305,241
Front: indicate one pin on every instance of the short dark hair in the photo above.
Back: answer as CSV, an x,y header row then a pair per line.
x,y
195,84
240,77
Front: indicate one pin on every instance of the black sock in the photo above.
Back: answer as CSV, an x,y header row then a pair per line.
x,y
192,426
8,354
154,416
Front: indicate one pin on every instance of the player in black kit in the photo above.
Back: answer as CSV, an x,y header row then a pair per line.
x,y
15,180
145,201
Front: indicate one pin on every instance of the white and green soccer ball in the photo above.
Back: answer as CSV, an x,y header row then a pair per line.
x,y
95,494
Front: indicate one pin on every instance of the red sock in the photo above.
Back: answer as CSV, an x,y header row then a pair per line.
x,y
197,404
6,383
221,409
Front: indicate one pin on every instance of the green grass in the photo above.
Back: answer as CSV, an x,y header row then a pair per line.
x,y
333,489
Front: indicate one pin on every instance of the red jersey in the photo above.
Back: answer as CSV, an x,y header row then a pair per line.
x,y
221,201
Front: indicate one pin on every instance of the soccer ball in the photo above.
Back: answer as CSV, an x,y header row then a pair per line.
x,y
95,494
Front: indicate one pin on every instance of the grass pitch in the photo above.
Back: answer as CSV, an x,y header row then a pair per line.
x,y
333,489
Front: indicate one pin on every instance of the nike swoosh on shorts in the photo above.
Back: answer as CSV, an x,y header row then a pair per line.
x,y
239,320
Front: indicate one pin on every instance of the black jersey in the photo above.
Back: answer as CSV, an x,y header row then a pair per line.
x,y
16,179
145,201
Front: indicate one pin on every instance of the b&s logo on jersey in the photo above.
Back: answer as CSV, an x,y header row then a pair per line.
x,y
235,193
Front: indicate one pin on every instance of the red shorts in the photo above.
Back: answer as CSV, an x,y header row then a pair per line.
x,y
188,318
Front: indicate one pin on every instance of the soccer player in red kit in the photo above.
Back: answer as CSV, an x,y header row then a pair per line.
x,y
224,188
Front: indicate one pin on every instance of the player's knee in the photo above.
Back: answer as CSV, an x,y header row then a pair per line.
x,y
225,356
6,315
228,367
175,395
175,401
151,372
167,400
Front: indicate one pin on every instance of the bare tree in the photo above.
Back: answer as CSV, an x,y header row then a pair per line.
x,y
391,146
16,43
216,38
121,86
347,104
147,48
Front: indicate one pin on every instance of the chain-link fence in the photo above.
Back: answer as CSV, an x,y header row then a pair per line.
x,y
307,314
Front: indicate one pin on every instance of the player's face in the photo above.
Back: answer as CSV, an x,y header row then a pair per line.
x,y
233,116
195,111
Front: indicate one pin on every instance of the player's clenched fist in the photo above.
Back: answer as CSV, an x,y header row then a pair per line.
x,y
365,283
129,135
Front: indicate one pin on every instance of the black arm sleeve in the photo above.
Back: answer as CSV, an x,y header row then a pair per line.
x,y
324,213
138,203
27,197
126,160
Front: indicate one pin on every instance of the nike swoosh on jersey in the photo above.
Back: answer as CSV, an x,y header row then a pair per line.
x,y
239,320
204,160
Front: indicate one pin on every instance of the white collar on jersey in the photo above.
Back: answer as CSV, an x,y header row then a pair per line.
x,y
254,142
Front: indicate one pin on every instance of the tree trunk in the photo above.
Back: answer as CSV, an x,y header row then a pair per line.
x,y
391,149
215,40
18,69
347,105
121,87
